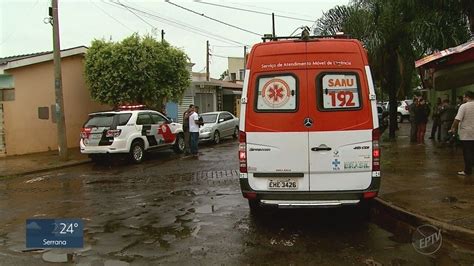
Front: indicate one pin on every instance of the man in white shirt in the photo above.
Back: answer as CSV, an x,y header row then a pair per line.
x,y
194,124
465,120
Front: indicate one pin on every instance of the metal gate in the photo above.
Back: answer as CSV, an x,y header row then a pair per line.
x,y
205,101
2,132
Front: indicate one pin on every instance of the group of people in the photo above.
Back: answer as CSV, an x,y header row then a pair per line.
x,y
191,123
419,113
443,115
448,121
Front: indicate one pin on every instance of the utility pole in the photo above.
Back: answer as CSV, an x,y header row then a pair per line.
x,y
58,90
273,26
162,35
207,60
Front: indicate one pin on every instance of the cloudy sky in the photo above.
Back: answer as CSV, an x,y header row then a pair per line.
x,y
23,29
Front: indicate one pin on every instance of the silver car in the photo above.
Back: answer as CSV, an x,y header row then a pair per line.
x,y
218,125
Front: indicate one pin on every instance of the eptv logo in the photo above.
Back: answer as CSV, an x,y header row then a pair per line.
x,y
427,239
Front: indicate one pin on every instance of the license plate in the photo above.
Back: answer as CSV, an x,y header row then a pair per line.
x,y
96,136
283,184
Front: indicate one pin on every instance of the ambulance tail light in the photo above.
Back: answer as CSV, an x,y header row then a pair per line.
x,y
250,195
375,150
243,152
370,194
113,133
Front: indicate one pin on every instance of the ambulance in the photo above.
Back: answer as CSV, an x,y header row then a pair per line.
x,y
309,128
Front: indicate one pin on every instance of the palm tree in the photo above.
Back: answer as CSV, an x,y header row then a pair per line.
x,y
395,34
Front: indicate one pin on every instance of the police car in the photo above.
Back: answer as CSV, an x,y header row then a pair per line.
x,y
131,130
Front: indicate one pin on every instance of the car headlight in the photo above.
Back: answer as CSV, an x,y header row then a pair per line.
x,y
206,130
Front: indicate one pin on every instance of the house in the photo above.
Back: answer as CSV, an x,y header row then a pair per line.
x,y
448,73
236,69
212,95
27,101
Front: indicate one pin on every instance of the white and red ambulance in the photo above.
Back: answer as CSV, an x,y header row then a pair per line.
x,y
308,129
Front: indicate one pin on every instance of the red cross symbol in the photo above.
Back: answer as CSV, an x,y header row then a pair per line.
x,y
275,93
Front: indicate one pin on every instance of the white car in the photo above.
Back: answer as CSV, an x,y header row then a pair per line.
x,y
403,110
129,131
218,125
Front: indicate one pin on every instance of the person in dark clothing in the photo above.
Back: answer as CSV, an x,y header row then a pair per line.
x,y
436,120
411,109
446,116
422,111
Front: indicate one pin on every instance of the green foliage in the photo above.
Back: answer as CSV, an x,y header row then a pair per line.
x,y
398,32
136,70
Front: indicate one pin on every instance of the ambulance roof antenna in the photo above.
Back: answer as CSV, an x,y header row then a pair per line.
x,y
305,34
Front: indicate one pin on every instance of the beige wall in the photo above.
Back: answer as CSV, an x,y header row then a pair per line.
x,y
34,87
235,64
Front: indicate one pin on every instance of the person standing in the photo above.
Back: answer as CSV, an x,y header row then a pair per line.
x,y
411,109
459,101
194,123
446,116
422,111
436,121
186,115
464,123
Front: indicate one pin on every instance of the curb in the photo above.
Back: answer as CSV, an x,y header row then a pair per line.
x,y
46,169
415,219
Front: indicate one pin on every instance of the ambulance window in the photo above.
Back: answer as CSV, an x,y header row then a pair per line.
x,y
338,91
277,93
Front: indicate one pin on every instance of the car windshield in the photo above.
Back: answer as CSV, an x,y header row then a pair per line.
x,y
209,118
102,120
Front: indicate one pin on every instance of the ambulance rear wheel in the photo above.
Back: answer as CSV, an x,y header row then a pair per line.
x,y
137,151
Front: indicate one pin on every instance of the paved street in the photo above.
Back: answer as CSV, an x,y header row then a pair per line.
x,y
175,210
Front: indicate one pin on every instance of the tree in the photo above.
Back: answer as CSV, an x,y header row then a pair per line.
x,y
396,33
136,70
224,75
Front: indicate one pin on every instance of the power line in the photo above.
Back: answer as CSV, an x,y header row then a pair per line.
x,y
126,7
271,9
183,26
213,19
118,21
253,11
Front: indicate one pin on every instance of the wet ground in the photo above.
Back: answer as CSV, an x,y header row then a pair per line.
x,y
175,210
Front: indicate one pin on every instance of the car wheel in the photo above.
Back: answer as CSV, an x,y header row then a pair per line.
x,y
236,133
179,144
137,152
399,118
217,137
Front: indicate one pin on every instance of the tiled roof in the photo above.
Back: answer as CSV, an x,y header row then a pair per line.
x,y
5,60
